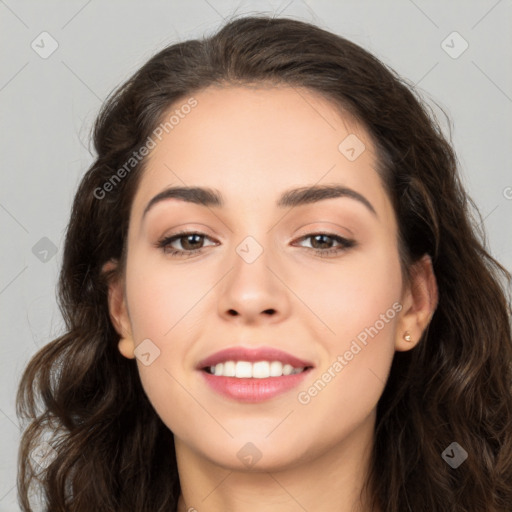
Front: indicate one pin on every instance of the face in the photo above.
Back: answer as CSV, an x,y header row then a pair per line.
x,y
315,284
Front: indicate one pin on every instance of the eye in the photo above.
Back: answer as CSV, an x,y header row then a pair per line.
x,y
190,242
324,246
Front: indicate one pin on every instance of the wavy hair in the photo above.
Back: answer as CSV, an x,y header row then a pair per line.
x,y
107,448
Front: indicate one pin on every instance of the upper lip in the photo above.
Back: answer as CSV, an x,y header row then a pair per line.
x,y
252,355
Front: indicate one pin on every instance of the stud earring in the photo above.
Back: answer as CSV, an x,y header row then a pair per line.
x,y
407,336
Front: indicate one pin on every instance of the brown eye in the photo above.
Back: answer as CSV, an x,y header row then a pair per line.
x,y
322,243
190,242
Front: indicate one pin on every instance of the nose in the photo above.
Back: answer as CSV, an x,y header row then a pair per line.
x,y
254,292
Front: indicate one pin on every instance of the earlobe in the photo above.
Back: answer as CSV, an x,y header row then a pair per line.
x,y
118,311
421,298
126,347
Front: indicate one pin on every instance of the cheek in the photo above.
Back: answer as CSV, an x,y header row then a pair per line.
x,y
359,305
167,306
355,294
163,298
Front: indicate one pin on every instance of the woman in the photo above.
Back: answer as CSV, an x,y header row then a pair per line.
x,y
274,297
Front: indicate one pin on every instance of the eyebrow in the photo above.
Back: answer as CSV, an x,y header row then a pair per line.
x,y
290,198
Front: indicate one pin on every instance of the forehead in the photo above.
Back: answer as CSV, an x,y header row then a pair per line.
x,y
253,142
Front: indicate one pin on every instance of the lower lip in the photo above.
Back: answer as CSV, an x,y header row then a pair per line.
x,y
253,390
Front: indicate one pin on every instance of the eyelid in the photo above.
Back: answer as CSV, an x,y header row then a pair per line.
x,y
310,231
319,227
190,229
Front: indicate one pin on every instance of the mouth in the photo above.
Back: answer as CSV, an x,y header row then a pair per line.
x,y
253,375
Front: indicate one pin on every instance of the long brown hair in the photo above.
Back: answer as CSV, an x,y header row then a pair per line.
x,y
109,449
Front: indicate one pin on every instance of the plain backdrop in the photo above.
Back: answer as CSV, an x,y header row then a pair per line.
x,y
60,59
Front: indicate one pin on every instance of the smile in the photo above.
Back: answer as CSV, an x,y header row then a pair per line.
x,y
258,370
253,375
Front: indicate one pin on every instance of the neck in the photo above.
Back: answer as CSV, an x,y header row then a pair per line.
x,y
330,481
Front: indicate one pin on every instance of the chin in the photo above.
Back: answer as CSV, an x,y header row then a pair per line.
x,y
243,455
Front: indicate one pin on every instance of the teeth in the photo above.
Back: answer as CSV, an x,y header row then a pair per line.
x,y
261,370
276,369
287,369
229,369
258,370
243,370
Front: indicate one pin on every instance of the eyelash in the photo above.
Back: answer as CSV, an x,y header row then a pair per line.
x,y
165,242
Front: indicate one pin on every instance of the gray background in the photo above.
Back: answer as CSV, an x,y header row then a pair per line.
x,y
48,106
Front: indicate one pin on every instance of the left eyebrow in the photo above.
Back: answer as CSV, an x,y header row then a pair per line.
x,y
290,198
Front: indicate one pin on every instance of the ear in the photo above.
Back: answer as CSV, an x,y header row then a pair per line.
x,y
118,310
419,301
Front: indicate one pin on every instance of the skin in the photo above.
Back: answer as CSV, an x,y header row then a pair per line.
x,y
252,144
